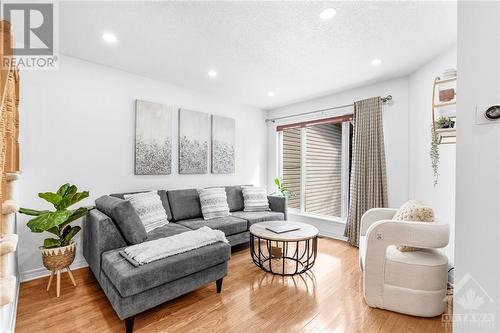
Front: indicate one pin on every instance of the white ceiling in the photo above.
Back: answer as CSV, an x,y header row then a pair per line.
x,y
258,47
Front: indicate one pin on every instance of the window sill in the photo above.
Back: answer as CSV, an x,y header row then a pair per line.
x,y
317,217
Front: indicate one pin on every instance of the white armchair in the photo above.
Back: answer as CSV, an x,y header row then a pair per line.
x,y
413,283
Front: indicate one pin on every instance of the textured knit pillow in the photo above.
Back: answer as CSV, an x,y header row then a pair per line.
x,y
413,211
149,208
255,199
213,202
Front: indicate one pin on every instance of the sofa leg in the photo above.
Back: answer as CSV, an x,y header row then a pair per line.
x,y
218,283
129,324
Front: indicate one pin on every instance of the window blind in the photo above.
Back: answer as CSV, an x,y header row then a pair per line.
x,y
324,169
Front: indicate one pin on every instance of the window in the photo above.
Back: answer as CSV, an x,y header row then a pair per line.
x,y
314,165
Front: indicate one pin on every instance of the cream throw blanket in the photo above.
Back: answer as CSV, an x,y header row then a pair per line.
x,y
157,249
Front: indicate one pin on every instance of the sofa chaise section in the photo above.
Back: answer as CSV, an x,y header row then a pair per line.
x,y
131,289
133,281
127,307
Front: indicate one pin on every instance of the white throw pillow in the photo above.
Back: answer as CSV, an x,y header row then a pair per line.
x,y
213,202
255,199
150,209
413,211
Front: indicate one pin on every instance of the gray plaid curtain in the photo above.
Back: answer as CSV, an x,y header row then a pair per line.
x,y
368,188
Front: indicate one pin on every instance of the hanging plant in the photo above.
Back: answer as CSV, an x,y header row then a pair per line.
x,y
434,154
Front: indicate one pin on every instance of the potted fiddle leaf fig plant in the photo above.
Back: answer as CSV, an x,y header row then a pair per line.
x,y
58,252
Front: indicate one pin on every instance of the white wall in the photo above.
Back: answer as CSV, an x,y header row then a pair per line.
x,y
396,130
78,125
442,196
477,228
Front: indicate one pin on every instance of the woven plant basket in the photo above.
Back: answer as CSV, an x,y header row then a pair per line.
x,y
59,257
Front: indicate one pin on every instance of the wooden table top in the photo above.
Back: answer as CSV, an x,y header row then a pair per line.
x,y
305,232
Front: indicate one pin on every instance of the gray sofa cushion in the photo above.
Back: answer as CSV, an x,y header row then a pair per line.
x,y
130,280
125,217
242,237
167,231
161,193
229,225
184,204
126,307
234,198
255,217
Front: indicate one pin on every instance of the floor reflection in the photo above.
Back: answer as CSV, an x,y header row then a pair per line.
x,y
295,293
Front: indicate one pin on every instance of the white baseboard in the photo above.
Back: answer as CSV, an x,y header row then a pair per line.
x,y
332,235
37,273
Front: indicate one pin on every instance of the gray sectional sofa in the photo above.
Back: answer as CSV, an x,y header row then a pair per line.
x,y
131,290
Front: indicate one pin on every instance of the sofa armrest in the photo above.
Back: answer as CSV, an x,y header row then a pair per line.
x,y
430,235
374,215
99,235
278,203
384,233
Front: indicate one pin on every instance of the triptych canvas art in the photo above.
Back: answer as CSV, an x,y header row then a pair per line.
x,y
153,141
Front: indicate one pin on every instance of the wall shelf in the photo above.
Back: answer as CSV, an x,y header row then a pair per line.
x,y
442,81
442,107
444,104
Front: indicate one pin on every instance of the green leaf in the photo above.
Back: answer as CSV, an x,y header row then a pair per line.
x,y
70,192
51,243
76,214
62,190
32,212
53,198
277,182
73,198
72,232
54,230
65,231
49,220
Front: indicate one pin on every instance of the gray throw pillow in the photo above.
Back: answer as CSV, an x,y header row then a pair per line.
x,y
125,217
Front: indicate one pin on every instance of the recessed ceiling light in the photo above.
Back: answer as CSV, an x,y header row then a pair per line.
x,y
212,73
271,94
376,62
327,13
109,37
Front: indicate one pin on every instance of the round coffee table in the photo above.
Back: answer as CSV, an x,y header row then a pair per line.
x,y
288,253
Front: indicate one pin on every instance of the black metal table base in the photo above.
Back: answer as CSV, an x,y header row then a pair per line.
x,y
283,257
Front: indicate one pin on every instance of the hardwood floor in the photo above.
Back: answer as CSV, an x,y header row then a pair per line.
x,y
328,299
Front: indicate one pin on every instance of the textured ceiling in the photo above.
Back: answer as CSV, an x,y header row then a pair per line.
x,y
258,47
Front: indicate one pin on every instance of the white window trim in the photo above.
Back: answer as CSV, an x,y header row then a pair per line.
x,y
303,169
279,159
303,166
